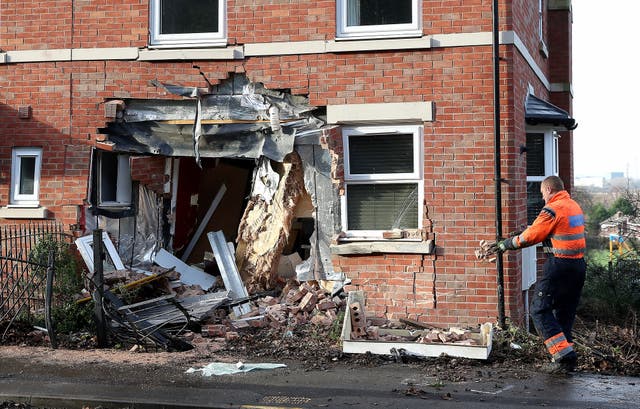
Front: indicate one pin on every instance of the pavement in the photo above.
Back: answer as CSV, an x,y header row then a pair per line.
x,y
393,385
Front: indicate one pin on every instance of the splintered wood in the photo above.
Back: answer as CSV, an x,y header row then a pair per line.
x,y
486,251
264,229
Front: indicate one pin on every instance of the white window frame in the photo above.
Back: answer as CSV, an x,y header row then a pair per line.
x,y
551,167
24,200
123,183
413,29
188,39
416,176
85,247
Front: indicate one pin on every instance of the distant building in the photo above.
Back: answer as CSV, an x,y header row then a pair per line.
x,y
590,181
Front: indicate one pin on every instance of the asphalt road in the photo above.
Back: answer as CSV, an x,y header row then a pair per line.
x,y
394,385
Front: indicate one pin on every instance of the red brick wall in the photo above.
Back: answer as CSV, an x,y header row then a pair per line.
x,y
149,170
449,287
56,24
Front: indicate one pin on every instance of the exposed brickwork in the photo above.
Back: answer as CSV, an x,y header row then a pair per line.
x,y
449,287
149,171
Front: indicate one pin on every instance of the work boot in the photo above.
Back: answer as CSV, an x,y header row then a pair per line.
x,y
564,366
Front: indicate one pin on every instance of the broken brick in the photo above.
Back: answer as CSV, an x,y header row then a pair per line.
x,y
326,304
308,302
277,312
214,330
358,320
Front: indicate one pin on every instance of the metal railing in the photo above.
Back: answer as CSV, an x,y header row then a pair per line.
x,y
23,270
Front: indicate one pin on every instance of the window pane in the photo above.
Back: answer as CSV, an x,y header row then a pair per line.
x,y
382,206
378,12
188,16
535,154
370,154
108,177
535,202
27,175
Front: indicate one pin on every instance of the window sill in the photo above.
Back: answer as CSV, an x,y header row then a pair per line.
x,y
378,35
12,212
384,246
190,52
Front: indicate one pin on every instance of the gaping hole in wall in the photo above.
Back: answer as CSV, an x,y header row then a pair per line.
x,y
230,180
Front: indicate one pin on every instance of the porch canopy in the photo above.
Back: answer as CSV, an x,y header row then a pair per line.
x,y
541,112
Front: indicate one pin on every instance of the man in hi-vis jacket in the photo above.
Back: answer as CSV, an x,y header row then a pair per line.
x,y
557,294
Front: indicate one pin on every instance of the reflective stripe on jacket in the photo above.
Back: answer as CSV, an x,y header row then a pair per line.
x,y
561,221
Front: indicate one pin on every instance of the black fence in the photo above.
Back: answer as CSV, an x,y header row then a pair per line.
x,y
24,266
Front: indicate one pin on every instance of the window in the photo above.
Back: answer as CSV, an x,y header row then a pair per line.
x,y
25,176
379,18
542,161
188,22
383,180
114,180
112,259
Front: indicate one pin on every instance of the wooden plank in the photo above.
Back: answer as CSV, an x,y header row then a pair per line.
x,y
205,220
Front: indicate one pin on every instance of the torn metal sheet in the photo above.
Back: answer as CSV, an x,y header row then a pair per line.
x,y
316,162
228,120
265,180
127,325
217,141
197,308
136,238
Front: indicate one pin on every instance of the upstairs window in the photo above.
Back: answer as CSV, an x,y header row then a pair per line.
x,y
188,22
383,180
379,18
25,176
542,161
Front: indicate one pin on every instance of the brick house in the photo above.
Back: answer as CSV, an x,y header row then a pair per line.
x,y
379,119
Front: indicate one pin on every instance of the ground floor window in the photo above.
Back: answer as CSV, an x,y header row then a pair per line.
x,y
383,179
25,176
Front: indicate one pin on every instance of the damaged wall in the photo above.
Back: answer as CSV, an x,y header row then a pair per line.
x,y
265,226
66,78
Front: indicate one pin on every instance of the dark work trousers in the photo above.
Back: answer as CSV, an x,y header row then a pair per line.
x,y
557,294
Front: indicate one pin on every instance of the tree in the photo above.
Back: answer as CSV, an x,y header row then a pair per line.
x,y
596,215
624,205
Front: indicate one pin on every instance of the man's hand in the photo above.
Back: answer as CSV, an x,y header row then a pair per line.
x,y
506,244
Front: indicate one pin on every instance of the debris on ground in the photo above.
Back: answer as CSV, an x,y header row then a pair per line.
x,y
225,368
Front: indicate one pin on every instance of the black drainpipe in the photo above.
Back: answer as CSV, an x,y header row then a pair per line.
x,y
497,176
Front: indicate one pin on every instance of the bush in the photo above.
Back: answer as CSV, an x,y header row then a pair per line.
x,y
612,291
67,314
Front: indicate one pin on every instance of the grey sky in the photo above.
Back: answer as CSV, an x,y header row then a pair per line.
x,y
606,86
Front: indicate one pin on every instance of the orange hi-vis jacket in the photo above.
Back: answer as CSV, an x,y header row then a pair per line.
x,y
561,221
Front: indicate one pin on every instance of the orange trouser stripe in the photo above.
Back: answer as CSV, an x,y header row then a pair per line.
x,y
558,346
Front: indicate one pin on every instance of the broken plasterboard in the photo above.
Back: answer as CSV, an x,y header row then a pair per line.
x,y
361,346
188,274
